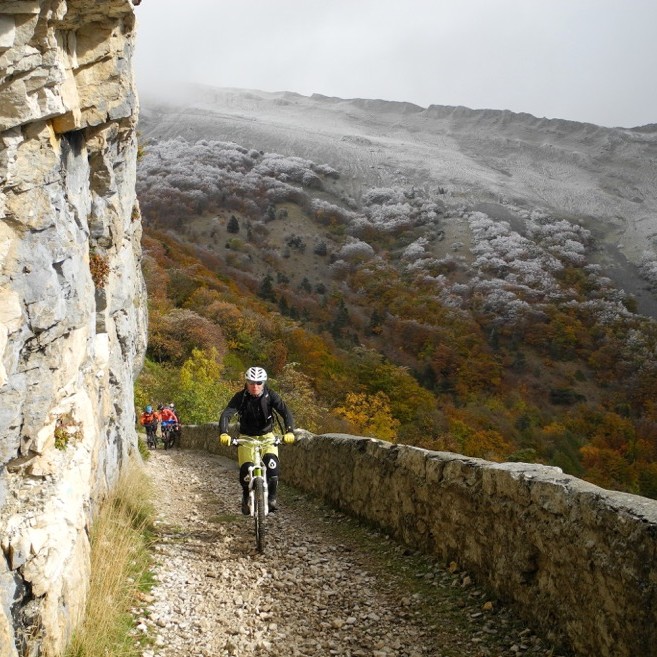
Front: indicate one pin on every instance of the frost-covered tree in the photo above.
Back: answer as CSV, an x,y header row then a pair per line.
x,y
356,251
416,249
176,178
391,210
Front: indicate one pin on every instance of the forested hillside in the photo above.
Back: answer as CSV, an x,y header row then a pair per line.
x,y
399,312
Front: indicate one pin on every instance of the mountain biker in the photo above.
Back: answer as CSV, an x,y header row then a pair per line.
x,y
168,420
168,415
149,420
177,430
255,404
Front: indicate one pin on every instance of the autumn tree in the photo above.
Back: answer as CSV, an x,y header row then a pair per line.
x,y
173,335
369,415
202,393
297,390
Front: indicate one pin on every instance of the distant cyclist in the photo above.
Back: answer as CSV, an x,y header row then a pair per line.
x,y
149,419
168,415
255,405
168,422
177,428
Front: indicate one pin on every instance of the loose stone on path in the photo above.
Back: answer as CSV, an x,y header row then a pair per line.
x,y
323,587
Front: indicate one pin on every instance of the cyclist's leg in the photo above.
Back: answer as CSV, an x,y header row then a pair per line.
x,y
244,475
271,462
245,458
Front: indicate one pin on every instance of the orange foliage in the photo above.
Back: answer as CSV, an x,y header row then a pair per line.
x,y
174,335
479,372
485,391
230,318
605,467
277,356
615,432
318,361
486,444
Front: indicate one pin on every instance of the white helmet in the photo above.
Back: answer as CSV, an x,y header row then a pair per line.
x,y
256,375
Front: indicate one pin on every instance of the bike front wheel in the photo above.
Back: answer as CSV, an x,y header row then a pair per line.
x,y
259,514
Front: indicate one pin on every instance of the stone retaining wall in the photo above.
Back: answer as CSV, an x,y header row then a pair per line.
x,y
578,561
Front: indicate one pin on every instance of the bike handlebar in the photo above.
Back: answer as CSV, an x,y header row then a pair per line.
x,y
275,440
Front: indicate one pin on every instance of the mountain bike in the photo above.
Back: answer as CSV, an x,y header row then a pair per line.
x,y
169,433
151,437
258,488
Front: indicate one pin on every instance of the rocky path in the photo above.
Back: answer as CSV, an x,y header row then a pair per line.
x,y
324,587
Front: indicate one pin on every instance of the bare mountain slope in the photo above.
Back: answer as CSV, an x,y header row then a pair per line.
x,y
604,179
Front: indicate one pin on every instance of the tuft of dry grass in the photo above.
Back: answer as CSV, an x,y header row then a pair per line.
x,y
99,268
120,569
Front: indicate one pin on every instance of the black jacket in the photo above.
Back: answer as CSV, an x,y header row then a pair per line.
x,y
256,413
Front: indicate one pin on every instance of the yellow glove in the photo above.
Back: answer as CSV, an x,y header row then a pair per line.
x,y
288,438
225,439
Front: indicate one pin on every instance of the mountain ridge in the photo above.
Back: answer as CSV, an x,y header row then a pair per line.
x,y
603,178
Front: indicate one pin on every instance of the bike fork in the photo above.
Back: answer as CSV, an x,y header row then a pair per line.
x,y
252,494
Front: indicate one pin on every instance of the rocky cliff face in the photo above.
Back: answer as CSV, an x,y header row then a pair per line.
x,y
72,300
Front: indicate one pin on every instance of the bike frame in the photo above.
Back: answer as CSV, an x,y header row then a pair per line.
x,y
257,470
151,435
257,480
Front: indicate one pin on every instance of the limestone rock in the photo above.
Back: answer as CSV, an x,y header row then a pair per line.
x,y
69,346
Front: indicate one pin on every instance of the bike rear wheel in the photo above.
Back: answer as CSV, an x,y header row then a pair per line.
x,y
259,514
167,438
150,439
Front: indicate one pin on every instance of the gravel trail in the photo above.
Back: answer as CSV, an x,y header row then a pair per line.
x,y
325,586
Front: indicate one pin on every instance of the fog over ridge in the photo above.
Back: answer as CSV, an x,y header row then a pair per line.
x,y
603,178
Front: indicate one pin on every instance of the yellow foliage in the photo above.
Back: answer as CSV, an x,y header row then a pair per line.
x,y
554,429
487,444
202,369
480,442
370,415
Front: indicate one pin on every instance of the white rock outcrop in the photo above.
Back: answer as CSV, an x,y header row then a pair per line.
x,y
72,300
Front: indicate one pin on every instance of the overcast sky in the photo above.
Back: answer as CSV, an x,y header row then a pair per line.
x,y
583,60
